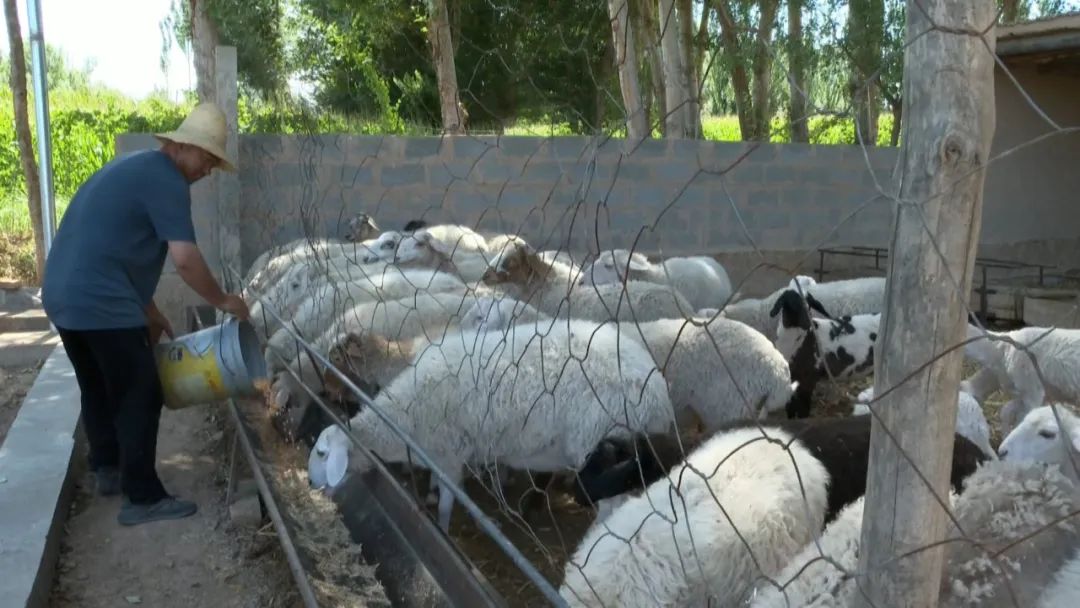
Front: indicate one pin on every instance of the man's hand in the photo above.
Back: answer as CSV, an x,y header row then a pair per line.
x,y
158,324
236,306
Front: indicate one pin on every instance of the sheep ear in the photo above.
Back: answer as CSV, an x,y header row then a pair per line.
x,y
814,304
337,463
638,261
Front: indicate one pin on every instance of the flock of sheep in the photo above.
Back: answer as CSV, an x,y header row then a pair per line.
x,y
496,357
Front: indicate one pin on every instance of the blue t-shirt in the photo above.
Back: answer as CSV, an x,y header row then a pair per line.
x,y
109,250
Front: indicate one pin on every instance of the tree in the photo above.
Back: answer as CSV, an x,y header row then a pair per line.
x,y
753,98
22,132
677,96
865,35
442,53
797,85
949,120
637,121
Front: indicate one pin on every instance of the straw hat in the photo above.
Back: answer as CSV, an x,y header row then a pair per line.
x,y
205,128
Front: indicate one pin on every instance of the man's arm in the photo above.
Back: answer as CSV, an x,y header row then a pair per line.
x,y
192,268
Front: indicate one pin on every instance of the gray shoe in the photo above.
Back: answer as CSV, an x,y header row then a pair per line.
x,y
166,508
107,480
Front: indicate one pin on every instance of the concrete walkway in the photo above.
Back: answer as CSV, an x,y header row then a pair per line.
x,y
35,485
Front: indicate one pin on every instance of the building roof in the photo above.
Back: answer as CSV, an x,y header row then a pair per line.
x,y
1052,36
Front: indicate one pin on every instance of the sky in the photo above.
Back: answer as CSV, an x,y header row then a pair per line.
x,y
121,36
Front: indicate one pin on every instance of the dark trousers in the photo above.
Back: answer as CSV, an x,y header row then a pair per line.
x,y
121,404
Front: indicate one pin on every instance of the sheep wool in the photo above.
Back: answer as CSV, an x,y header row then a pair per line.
x,y
524,401
970,420
734,511
1001,503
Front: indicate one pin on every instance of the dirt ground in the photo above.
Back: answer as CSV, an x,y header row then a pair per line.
x,y
199,561
14,383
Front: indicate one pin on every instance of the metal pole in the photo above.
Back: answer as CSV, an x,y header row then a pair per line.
x,y
41,116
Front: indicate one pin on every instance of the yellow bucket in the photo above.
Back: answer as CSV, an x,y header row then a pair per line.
x,y
211,364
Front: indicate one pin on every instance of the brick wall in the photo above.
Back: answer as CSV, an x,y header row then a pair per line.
x,y
749,205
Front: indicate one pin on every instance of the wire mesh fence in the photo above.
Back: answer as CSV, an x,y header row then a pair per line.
x,y
599,360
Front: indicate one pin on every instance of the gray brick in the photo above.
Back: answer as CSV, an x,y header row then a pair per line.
x,y
568,148
352,176
286,174
545,171
637,171
490,171
405,175
747,172
677,172
441,174
420,148
649,148
795,153
468,147
361,148
524,147
520,196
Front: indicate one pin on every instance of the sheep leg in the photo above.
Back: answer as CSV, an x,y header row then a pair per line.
x,y
446,505
434,489
981,384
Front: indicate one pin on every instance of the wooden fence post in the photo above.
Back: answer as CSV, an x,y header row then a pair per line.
x,y
949,116
228,184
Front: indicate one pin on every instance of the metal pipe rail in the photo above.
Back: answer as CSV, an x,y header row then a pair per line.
x,y
482,520
303,586
982,266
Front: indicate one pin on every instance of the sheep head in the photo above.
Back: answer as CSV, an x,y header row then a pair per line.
x,y
368,360
422,250
518,264
328,461
1039,438
361,228
615,266
793,309
382,248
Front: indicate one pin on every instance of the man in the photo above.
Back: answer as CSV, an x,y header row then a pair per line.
x,y
100,278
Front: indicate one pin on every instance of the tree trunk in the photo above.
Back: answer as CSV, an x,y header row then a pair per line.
x,y
676,94
762,67
453,118
22,134
685,12
897,116
1010,11
865,34
204,42
645,14
798,117
637,121
740,81
949,112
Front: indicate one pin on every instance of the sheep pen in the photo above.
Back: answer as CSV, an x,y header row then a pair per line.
x,y
549,534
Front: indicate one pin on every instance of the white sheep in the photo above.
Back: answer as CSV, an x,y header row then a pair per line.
x,y
272,262
734,509
1039,438
970,420
329,302
865,295
821,349
423,250
1064,590
538,403
423,314
373,282
700,279
721,371
1001,503
1057,352
552,288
